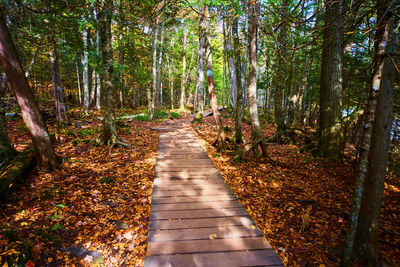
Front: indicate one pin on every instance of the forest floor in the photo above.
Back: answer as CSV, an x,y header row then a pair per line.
x,y
96,209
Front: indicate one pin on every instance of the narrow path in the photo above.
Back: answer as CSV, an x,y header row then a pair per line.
x,y
195,219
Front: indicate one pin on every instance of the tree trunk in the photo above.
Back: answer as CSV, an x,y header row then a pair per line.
x,y
152,97
159,78
233,83
109,134
183,79
32,61
237,77
46,158
366,244
280,73
171,74
220,142
57,86
200,62
245,58
7,151
381,40
78,78
257,136
330,132
98,80
85,64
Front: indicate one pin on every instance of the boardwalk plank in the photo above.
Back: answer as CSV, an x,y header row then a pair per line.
x,y
196,206
204,233
215,245
190,203
225,259
199,223
203,213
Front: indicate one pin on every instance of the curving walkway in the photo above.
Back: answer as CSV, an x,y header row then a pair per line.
x,y
195,219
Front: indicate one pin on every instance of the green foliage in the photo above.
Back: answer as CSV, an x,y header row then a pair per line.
x,y
175,115
106,180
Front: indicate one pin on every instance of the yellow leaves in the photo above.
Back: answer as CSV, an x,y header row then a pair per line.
x,y
253,226
24,224
49,260
212,236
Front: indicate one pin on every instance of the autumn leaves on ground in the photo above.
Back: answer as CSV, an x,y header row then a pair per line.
x,y
98,205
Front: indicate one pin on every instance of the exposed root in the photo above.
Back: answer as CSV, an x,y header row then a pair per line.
x,y
112,140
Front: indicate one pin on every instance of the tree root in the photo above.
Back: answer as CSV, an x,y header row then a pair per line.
x,y
112,140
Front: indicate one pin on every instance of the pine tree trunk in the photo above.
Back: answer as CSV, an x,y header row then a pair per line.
x,y
183,79
381,40
238,108
109,134
366,241
280,73
57,86
330,132
257,136
46,158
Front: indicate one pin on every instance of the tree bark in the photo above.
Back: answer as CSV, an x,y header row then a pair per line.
x,y
7,151
46,157
220,142
330,132
85,63
238,108
32,61
78,78
152,97
257,136
366,240
159,76
57,86
200,62
109,134
280,73
233,83
183,79
171,66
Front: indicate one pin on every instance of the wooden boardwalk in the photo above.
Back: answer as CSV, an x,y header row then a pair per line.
x,y
195,219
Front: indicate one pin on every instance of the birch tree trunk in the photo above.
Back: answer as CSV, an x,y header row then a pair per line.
x,y
85,64
78,78
98,80
32,61
183,79
159,78
46,157
330,141
233,83
152,97
171,73
57,86
257,136
200,62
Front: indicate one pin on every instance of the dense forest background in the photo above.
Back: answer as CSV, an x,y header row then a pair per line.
x,y
322,75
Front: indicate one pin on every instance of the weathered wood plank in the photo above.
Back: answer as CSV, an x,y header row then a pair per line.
x,y
191,192
192,199
196,206
188,187
204,233
215,245
194,214
199,223
224,259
